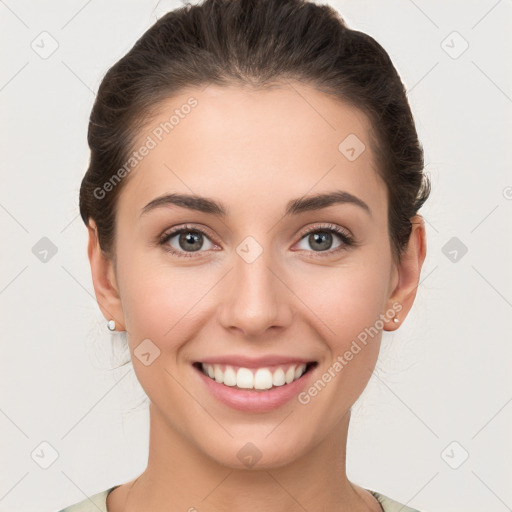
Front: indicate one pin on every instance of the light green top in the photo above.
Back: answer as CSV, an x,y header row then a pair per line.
x,y
98,503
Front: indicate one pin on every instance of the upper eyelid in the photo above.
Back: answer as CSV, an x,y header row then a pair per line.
x,y
172,232
327,226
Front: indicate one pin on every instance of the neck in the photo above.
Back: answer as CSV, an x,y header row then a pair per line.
x,y
179,473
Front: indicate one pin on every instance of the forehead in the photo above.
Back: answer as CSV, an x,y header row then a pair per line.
x,y
240,145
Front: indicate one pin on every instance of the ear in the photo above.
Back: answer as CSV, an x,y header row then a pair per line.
x,y
104,280
407,273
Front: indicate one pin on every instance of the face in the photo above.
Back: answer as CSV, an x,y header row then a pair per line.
x,y
262,280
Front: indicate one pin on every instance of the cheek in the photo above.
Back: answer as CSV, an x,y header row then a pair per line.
x,y
160,301
346,299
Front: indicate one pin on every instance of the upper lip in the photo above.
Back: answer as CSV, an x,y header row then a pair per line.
x,y
255,362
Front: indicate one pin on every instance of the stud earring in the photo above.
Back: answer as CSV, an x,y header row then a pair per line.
x,y
111,324
396,320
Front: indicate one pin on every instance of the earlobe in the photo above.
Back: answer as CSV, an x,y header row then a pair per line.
x,y
104,280
409,270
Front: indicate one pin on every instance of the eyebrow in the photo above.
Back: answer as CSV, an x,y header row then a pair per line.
x,y
293,207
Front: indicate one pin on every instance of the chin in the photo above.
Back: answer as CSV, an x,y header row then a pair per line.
x,y
254,452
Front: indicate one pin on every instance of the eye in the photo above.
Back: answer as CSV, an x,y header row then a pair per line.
x,y
189,239
320,237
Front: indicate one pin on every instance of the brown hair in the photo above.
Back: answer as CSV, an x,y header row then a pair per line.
x,y
254,43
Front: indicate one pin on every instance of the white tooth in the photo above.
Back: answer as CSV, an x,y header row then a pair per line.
x,y
218,373
278,378
263,379
290,374
229,376
300,370
244,378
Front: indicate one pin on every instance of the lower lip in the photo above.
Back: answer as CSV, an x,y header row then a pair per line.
x,y
251,400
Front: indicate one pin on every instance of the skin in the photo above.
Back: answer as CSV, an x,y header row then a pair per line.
x,y
236,146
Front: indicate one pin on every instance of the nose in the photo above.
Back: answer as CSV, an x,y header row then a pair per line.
x,y
256,299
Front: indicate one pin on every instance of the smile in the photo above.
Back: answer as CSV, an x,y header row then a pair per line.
x,y
255,378
257,389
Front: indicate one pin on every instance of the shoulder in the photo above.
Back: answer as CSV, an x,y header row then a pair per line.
x,y
390,505
95,503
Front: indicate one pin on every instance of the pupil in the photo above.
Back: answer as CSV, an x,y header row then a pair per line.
x,y
190,238
322,238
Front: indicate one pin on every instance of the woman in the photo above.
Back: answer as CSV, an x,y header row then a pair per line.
x,y
231,140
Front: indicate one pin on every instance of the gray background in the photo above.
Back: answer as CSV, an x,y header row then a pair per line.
x,y
442,389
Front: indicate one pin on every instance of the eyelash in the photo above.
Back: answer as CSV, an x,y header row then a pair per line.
x,y
346,238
